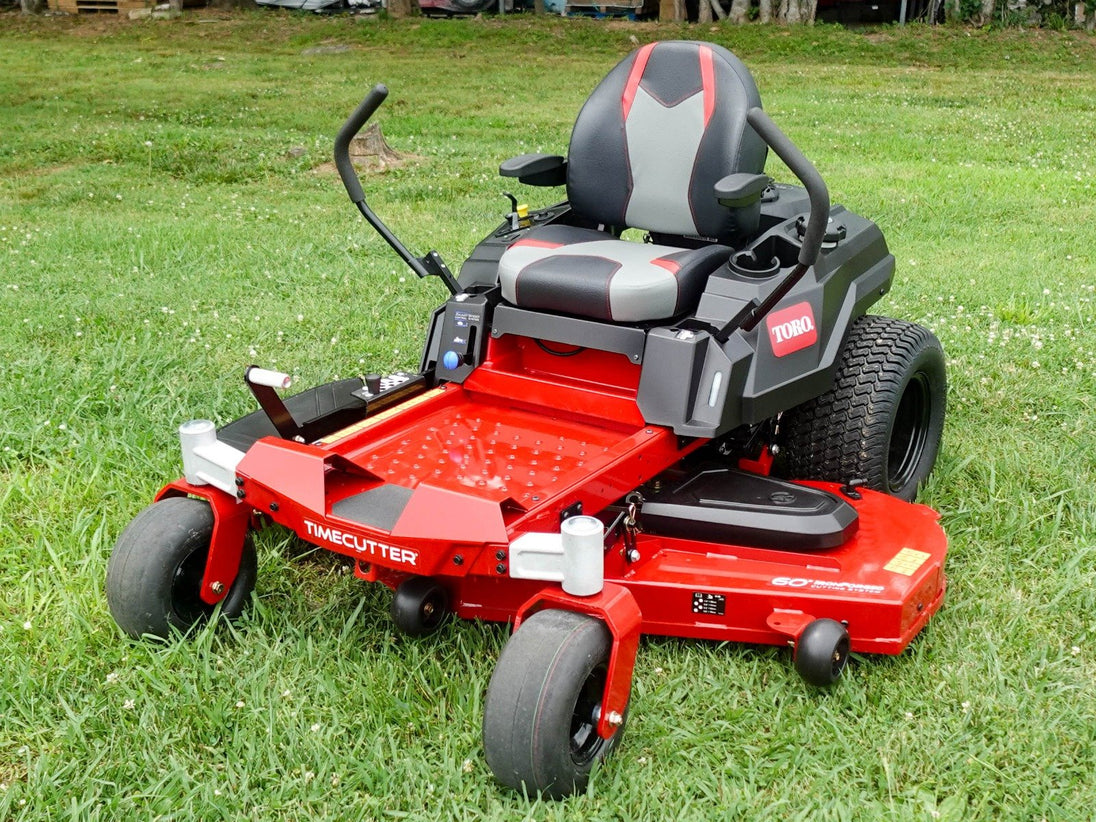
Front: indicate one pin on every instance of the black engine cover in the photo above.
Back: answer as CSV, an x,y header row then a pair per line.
x,y
728,506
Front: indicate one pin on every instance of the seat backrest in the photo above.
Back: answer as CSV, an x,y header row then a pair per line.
x,y
655,136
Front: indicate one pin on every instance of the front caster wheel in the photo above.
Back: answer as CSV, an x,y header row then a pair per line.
x,y
822,652
419,606
543,704
154,575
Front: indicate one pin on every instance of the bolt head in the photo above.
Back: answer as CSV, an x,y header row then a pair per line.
x,y
217,587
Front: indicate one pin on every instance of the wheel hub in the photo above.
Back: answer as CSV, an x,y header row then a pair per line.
x,y
909,434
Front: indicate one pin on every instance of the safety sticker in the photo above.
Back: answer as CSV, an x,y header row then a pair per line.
x,y
709,604
906,562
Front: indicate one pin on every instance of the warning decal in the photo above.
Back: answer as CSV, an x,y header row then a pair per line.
x,y
906,562
709,604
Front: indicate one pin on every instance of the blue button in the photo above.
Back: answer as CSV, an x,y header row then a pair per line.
x,y
451,359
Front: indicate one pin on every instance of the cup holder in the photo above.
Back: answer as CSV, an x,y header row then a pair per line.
x,y
747,264
766,257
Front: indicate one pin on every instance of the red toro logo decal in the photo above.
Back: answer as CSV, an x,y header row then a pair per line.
x,y
791,329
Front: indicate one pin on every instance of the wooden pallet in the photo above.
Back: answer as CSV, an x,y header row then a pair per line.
x,y
110,6
98,6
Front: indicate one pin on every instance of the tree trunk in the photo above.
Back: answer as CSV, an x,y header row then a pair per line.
x,y
370,148
765,11
1083,18
740,11
32,6
704,12
795,12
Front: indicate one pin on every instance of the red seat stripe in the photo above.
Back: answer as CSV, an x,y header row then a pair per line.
x,y
707,80
636,74
529,242
669,265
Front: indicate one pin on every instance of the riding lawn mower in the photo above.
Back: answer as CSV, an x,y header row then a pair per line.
x,y
701,434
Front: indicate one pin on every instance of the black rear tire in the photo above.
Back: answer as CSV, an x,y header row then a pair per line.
x,y
543,704
154,575
883,419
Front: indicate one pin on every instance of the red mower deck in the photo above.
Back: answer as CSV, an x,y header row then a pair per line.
x,y
442,485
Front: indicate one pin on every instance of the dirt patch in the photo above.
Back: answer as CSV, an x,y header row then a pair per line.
x,y
877,37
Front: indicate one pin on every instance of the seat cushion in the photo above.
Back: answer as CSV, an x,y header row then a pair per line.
x,y
593,274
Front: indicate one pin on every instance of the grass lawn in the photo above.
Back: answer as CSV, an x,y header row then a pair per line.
x,y
167,217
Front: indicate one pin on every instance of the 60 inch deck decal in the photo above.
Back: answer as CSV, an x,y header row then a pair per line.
x,y
826,585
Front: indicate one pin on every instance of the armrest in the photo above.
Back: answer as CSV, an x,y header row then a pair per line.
x,y
536,169
741,189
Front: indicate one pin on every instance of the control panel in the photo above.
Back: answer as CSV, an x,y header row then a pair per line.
x,y
461,337
376,386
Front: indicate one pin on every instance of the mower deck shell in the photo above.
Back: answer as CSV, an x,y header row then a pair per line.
x,y
443,483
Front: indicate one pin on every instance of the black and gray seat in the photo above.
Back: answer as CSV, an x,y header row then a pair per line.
x,y
663,145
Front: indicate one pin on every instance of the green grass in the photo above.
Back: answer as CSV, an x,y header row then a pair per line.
x,y
157,234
